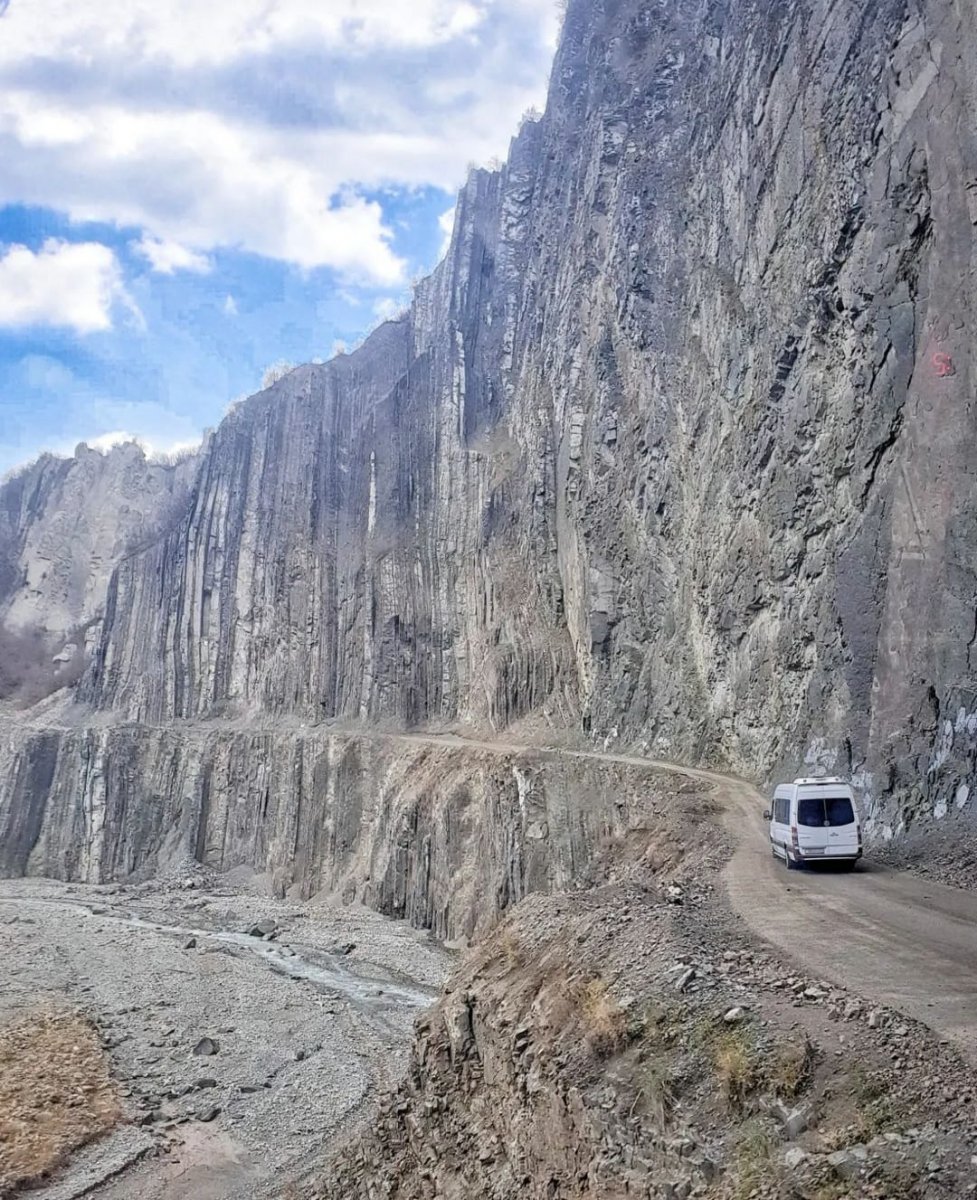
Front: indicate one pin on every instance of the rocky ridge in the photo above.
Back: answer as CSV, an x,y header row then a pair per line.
x,y
67,523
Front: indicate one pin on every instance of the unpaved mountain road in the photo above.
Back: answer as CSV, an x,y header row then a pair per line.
x,y
896,939
162,965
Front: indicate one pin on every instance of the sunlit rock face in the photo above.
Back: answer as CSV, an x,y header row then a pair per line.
x,y
66,523
675,448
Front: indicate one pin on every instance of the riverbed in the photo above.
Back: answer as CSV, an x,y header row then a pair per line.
x,y
246,1034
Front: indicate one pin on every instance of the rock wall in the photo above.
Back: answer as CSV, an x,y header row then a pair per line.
x,y
675,446
444,837
66,523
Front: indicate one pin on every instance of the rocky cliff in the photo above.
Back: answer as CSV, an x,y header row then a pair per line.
x,y
67,523
675,447
445,836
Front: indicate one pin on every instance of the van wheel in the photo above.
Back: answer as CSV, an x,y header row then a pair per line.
x,y
788,861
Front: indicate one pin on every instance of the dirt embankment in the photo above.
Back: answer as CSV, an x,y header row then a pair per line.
x,y
633,1039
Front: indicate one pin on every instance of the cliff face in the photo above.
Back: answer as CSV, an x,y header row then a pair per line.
x,y
65,524
446,837
675,446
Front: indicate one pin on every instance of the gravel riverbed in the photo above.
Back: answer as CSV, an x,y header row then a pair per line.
x,y
244,1033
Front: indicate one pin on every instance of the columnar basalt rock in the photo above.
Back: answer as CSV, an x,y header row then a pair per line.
x,y
446,837
675,446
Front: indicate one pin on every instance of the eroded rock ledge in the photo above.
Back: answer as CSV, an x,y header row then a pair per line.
x,y
447,836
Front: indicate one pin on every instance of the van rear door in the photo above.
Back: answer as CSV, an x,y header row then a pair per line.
x,y
826,824
812,832
841,824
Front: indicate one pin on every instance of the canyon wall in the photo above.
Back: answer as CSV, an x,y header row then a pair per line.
x,y
674,448
445,836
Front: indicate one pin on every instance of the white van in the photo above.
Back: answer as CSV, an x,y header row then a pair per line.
x,y
815,820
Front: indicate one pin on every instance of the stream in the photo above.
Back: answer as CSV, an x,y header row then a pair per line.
x,y
331,975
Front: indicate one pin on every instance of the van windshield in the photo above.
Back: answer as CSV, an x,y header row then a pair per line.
x,y
820,811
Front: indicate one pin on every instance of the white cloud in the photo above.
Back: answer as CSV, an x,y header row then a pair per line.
x,y
155,449
256,126
189,34
447,224
230,306
166,258
206,182
108,441
16,456
71,285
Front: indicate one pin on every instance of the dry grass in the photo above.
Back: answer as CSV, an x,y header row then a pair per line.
x,y
510,948
753,1160
657,1090
791,1069
874,1110
605,1020
55,1094
737,1068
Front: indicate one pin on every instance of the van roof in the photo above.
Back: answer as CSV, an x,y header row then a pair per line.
x,y
822,781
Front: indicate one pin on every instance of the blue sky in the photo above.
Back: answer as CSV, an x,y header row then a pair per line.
x,y
190,193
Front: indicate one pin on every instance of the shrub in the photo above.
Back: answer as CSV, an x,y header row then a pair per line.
x,y
605,1020
737,1068
791,1069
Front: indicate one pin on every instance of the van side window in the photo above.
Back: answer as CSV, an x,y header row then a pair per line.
x,y
780,811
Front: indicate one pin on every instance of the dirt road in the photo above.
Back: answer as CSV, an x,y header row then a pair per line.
x,y
896,939
165,969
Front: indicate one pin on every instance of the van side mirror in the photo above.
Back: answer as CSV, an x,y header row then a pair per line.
x,y
766,814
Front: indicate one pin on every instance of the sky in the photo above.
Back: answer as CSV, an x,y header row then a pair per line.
x,y
191,193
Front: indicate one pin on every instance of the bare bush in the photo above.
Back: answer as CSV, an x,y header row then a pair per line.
x,y
606,1022
177,456
275,372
